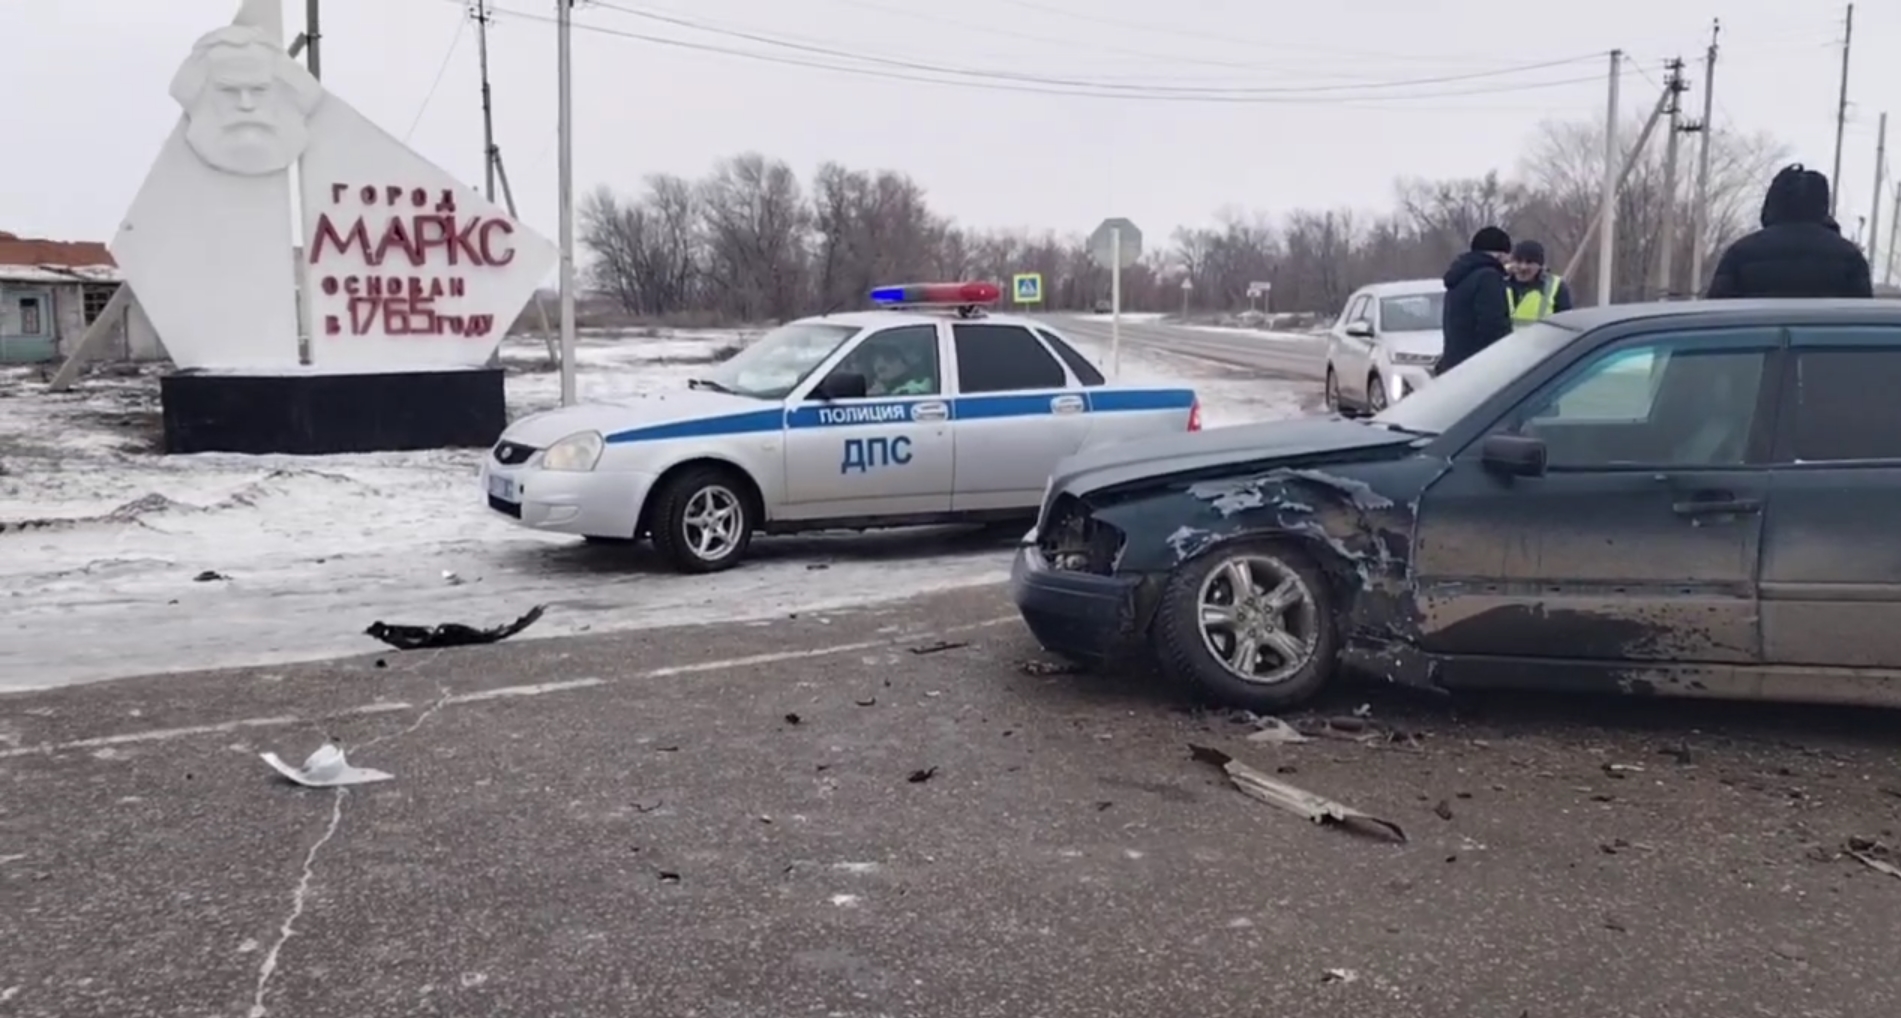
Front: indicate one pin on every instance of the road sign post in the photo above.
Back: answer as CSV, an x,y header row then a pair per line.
x,y
1116,245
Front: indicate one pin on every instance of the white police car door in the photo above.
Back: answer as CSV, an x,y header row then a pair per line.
x,y
1017,414
884,455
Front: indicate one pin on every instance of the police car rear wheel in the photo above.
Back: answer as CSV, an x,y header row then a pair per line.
x,y
1249,625
703,521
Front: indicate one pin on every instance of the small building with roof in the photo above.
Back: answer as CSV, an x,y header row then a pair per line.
x,y
51,291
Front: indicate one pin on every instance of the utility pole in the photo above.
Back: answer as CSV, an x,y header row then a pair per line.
x,y
1894,234
1606,207
1841,113
1607,230
564,119
313,34
1700,222
1674,87
1874,214
489,153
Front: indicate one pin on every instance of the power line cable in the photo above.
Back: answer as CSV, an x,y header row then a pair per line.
x,y
1031,89
455,42
988,29
1105,85
1226,39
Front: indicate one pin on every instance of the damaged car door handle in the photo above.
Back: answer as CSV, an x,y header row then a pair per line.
x,y
1717,506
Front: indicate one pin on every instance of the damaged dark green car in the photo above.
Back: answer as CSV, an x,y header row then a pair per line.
x,y
1692,499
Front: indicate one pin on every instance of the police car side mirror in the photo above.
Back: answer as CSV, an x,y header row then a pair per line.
x,y
1361,329
841,385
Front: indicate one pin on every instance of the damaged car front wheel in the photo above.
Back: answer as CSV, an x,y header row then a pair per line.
x,y
1249,626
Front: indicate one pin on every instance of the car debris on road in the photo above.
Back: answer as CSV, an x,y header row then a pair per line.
x,y
449,634
1294,800
326,768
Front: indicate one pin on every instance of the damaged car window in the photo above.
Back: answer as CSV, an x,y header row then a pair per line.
x,y
778,361
1454,395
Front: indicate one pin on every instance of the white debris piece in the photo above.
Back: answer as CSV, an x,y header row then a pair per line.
x,y
326,768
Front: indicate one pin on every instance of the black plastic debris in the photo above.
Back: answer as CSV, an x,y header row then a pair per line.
x,y
209,576
868,701
449,634
920,777
938,647
793,719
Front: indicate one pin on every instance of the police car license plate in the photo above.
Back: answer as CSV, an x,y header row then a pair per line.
x,y
504,488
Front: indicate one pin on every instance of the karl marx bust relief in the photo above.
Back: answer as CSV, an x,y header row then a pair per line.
x,y
247,103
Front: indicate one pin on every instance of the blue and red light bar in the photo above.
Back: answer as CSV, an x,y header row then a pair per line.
x,y
937,294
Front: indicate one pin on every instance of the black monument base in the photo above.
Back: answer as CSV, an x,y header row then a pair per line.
x,y
309,414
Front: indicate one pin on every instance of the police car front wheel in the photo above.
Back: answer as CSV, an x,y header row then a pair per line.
x,y
703,520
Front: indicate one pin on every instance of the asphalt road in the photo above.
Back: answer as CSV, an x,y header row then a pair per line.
x,y
1268,355
807,817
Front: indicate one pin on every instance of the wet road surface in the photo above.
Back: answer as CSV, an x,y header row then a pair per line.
x,y
811,817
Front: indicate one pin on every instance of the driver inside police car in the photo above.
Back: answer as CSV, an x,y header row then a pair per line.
x,y
893,375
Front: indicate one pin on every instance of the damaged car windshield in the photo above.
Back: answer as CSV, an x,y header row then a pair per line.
x,y
778,361
1448,400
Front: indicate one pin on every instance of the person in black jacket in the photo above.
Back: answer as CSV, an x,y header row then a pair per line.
x,y
1799,252
1478,309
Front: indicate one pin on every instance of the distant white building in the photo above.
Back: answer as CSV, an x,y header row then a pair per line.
x,y
51,291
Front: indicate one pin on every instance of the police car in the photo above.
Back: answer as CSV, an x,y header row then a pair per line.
x,y
927,410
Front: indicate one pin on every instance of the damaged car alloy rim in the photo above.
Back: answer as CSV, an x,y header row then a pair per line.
x,y
714,519
1258,618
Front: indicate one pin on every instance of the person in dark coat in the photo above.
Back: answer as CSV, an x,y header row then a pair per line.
x,y
1799,252
1478,309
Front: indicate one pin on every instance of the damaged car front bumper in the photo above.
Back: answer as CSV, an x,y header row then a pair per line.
x,y
1082,616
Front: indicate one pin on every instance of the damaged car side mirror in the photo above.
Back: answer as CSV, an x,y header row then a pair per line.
x,y
1513,455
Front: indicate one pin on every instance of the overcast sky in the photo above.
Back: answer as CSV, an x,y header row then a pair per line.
x,y
86,82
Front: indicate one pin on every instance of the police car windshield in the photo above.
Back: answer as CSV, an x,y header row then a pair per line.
x,y
778,361
1414,312
1448,400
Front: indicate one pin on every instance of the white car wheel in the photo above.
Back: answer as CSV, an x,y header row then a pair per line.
x,y
1375,393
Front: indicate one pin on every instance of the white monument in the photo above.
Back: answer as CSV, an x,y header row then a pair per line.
x,y
407,271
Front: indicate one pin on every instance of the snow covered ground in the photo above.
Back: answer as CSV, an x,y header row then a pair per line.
x,y
1274,337
117,561
1127,316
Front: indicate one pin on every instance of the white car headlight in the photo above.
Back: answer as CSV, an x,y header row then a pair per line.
x,y
1414,358
578,452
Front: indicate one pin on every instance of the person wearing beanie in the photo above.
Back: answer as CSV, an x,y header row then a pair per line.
x,y
1799,252
1535,292
1478,304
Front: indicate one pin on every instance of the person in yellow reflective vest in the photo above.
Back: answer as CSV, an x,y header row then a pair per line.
x,y
1531,292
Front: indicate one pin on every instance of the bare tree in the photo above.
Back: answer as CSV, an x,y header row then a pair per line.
x,y
1564,167
748,243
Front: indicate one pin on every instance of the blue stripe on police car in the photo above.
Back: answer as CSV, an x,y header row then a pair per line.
x,y
989,407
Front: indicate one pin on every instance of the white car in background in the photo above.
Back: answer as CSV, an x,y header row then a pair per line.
x,y
1384,344
929,412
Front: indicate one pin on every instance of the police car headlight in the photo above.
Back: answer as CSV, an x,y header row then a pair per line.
x,y
577,452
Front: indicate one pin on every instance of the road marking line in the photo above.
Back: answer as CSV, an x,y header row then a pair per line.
x,y
499,693
224,727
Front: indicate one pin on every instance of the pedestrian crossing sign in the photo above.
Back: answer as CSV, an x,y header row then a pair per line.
x,y
1027,287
